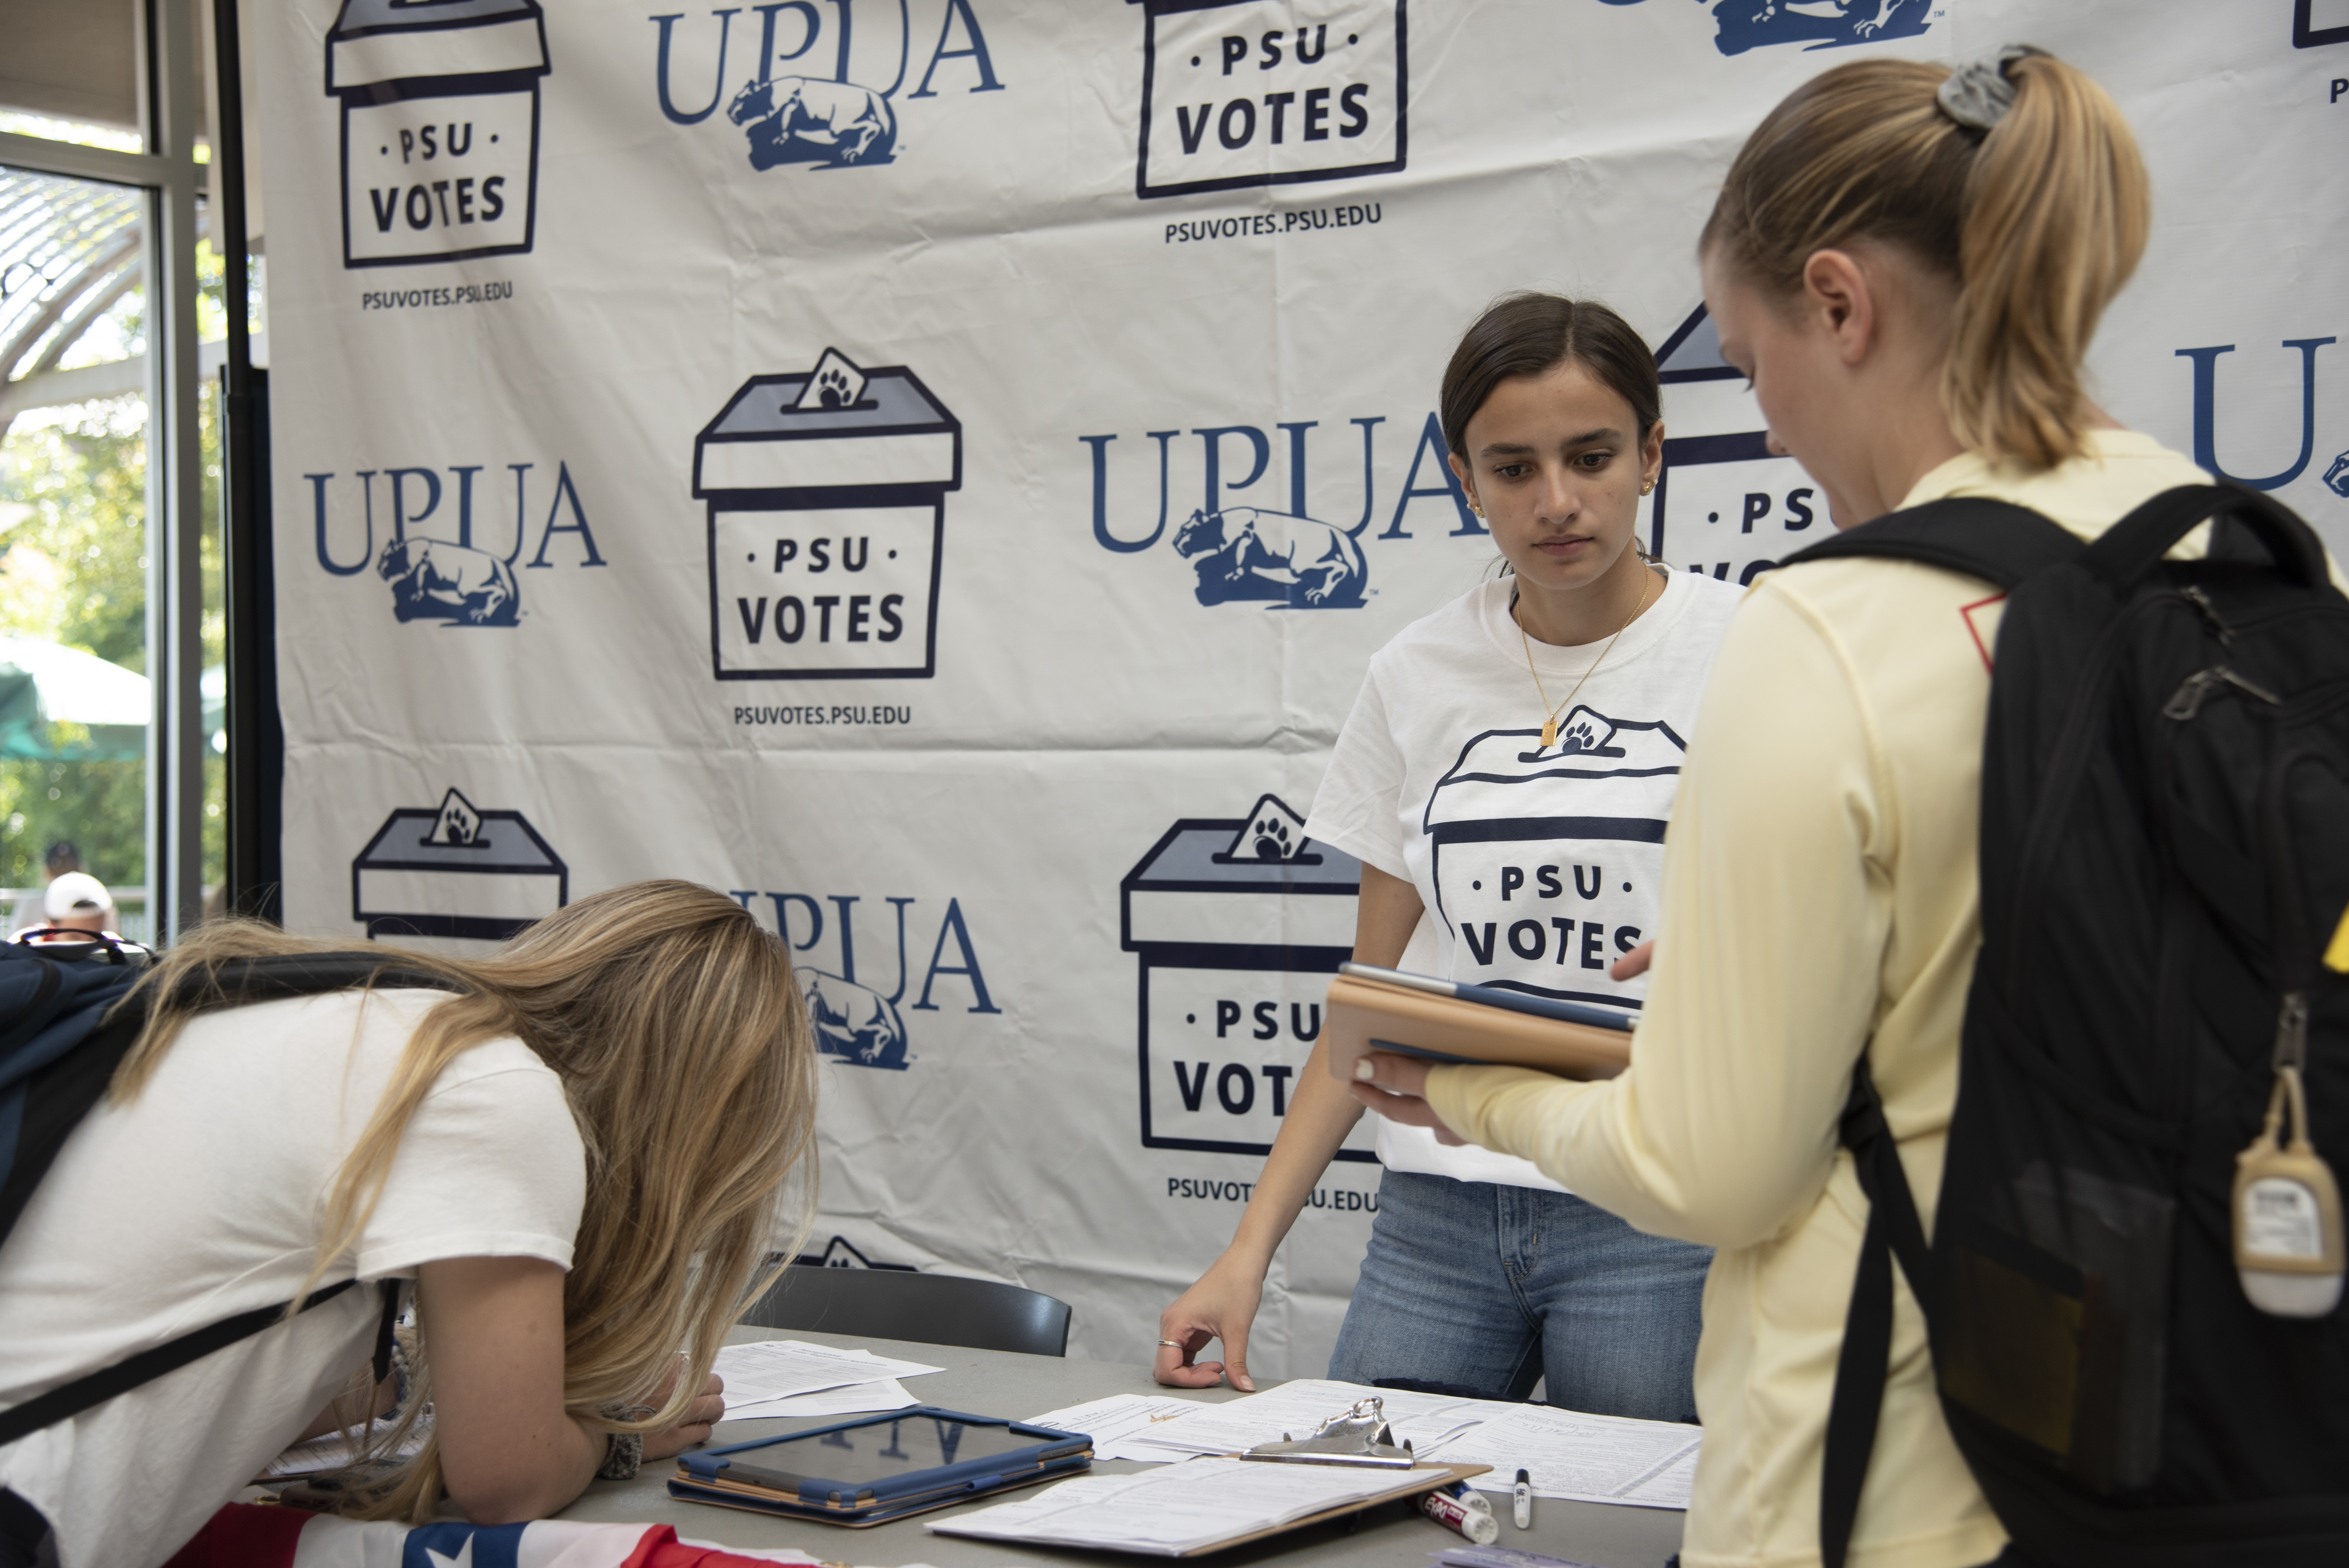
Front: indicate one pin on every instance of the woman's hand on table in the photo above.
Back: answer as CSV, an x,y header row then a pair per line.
x,y
1396,1088
1221,1306
707,1407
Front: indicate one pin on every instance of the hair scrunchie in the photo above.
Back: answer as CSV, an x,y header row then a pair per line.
x,y
624,1455
1978,94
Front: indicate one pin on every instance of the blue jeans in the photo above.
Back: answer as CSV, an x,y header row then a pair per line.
x,y
1488,1287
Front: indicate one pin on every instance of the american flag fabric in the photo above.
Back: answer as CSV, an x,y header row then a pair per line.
x,y
259,1536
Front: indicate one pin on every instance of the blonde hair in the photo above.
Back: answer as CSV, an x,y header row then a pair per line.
x,y
685,1051
2041,220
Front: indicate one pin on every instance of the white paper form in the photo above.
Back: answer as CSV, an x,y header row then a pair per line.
x,y
785,1554
1167,1511
320,1455
1110,1422
777,1369
1296,1408
1589,1459
855,1400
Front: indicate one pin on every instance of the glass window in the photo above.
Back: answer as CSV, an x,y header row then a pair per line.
x,y
74,427
70,73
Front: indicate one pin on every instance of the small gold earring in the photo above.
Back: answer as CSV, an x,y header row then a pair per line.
x,y
1474,508
1647,486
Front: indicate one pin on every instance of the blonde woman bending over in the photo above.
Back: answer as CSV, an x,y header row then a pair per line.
x,y
1910,266
577,1157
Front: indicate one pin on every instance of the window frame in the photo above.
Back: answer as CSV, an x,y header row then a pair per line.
x,y
171,103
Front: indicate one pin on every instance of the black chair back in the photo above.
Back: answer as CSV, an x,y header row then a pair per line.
x,y
900,1303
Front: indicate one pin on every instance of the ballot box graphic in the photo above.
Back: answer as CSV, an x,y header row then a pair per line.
x,y
827,492
840,1252
456,871
1238,924
439,127
1724,504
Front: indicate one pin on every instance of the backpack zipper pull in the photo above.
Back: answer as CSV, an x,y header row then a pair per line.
x,y
2195,689
2291,1032
2201,602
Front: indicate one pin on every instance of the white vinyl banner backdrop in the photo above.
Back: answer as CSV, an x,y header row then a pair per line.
x,y
938,470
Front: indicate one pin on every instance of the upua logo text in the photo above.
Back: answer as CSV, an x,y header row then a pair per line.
x,y
856,1019
1304,550
446,547
805,88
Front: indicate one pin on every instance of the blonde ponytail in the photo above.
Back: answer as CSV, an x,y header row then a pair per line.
x,y
2056,211
2040,220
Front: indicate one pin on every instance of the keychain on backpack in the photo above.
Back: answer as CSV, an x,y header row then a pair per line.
x,y
2287,1206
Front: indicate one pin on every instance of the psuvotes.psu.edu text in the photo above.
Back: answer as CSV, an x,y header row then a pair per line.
x,y
426,299
1295,219
843,714
1342,1198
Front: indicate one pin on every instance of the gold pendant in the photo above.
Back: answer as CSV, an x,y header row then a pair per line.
x,y
1549,732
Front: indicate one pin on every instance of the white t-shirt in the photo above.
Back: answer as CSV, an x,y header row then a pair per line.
x,y
1537,869
205,1197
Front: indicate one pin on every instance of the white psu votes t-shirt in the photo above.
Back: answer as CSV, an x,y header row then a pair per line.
x,y
205,1197
1537,869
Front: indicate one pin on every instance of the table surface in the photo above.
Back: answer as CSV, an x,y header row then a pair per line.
x,y
998,1383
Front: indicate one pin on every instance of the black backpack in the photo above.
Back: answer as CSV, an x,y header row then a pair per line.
x,y
2165,852
65,1027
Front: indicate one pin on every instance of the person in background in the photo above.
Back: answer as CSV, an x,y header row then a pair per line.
x,y
1909,263
76,901
56,861
577,1154
1504,778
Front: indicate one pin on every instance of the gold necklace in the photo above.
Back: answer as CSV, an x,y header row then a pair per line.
x,y
1549,723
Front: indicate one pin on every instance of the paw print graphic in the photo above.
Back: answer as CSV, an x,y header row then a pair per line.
x,y
832,387
1577,737
1272,839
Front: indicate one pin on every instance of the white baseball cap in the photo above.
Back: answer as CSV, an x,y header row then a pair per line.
x,y
76,893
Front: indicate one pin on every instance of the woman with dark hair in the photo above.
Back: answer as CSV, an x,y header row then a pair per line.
x,y
1504,778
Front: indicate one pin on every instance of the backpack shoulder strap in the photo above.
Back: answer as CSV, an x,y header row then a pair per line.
x,y
52,1101
274,976
70,1399
1895,1230
1995,540
2137,542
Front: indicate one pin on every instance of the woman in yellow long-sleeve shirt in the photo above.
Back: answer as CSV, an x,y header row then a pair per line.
x,y
1909,264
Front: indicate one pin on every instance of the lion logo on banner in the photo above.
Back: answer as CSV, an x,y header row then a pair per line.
x,y
1742,24
433,580
854,1021
1255,554
806,120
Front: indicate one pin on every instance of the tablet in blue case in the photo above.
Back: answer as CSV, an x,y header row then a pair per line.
x,y
879,1468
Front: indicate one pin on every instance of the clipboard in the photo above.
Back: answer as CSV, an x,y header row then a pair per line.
x,y
1409,1484
723,1477
1364,1015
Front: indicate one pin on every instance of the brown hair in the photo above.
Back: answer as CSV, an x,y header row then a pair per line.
x,y
684,1048
2041,220
1533,334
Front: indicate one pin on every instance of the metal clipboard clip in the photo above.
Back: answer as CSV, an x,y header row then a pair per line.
x,y
1360,1435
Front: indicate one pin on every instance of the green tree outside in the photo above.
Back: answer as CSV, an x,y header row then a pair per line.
x,y
73,570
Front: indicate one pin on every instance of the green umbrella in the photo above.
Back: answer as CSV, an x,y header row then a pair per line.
x,y
61,705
